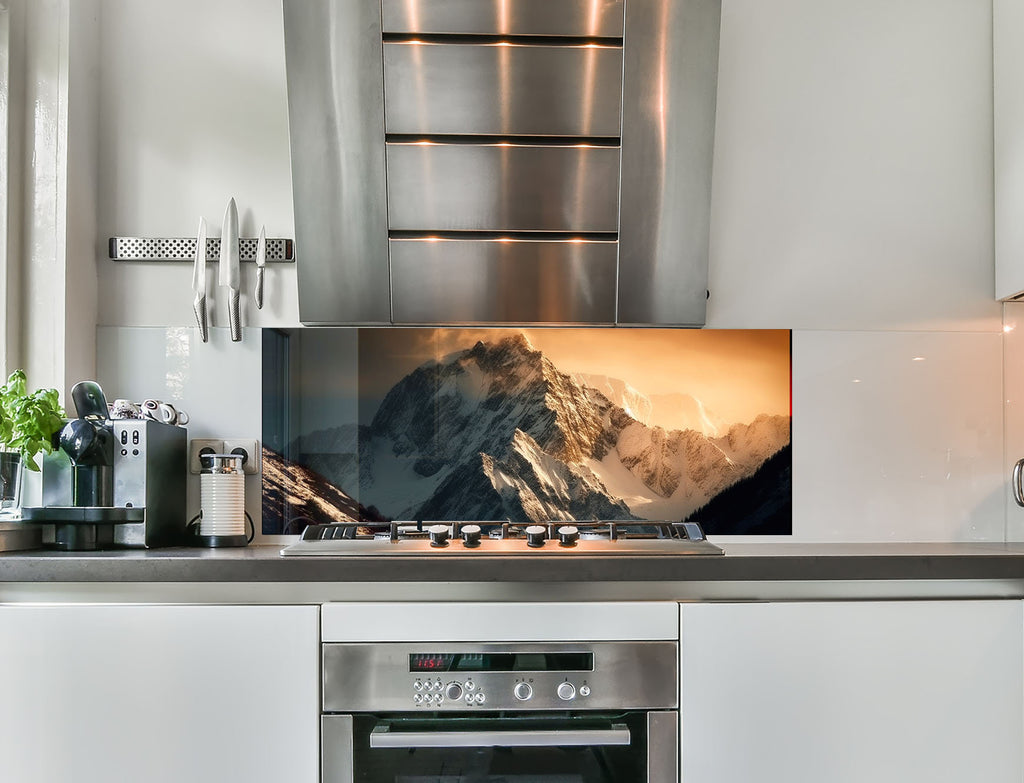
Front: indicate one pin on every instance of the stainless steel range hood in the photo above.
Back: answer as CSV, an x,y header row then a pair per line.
x,y
502,161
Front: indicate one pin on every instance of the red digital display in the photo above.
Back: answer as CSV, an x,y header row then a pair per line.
x,y
430,662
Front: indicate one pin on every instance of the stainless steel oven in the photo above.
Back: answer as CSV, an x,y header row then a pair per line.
x,y
518,712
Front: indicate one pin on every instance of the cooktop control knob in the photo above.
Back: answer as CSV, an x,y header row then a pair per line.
x,y
453,691
438,535
566,691
522,691
535,535
471,535
568,535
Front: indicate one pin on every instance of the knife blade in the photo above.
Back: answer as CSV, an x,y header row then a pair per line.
x,y
261,262
229,274
199,282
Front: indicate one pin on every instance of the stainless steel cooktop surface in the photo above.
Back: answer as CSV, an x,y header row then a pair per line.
x,y
566,538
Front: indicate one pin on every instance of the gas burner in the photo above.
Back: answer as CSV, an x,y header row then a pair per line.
x,y
481,538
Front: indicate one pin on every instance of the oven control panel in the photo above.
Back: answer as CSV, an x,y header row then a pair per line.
x,y
529,692
438,692
479,677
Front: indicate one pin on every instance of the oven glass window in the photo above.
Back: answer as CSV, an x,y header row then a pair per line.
x,y
534,756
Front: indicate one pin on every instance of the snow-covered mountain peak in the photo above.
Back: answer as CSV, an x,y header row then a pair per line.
x,y
498,431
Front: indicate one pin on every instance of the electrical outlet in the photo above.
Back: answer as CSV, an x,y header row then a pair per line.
x,y
199,446
249,449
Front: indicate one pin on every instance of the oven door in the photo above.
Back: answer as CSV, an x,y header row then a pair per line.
x,y
630,747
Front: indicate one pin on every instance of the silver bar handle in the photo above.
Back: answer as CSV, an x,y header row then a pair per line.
x,y
383,737
1018,488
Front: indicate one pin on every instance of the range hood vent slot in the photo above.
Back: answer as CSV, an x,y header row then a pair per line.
x,y
498,39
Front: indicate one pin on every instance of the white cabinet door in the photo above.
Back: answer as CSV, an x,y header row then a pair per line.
x,y
159,694
886,692
1008,121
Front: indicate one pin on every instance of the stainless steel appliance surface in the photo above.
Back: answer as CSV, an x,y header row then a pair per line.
x,y
567,538
586,712
143,495
438,146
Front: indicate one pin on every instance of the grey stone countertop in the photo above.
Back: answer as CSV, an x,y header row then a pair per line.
x,y
748,562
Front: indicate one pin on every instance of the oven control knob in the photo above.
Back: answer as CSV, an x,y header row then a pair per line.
x,y
438,535
453,691
584,690
568,535
566,691
522,691
535,535
471,535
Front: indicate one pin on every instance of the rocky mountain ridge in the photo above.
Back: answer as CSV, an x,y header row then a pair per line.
x,y
497,431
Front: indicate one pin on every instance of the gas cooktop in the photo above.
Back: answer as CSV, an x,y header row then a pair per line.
x,y
554,538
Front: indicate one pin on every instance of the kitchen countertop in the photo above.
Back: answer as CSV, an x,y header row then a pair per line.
x,y
746,572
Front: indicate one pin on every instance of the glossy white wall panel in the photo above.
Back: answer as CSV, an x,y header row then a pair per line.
x,y
897,436
161,694
893,692
218,383
194,111
853,166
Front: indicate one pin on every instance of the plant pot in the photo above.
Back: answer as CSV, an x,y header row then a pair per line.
x,y
11,470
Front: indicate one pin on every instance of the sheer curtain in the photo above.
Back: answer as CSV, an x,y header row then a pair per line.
x,y
48,135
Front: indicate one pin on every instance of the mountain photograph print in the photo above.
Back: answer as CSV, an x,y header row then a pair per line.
x,y
528,425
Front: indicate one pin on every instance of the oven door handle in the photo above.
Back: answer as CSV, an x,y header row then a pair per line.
x,y
382,737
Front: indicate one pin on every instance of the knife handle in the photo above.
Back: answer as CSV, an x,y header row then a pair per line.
x,y
258,295
199,306
234,317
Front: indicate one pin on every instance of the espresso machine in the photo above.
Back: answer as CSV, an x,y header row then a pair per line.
x,y
112,483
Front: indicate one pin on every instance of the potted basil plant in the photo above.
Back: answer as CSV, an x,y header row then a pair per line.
x,y
28,423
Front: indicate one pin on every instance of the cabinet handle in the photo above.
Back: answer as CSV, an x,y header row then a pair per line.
x,y
382,737
1018,488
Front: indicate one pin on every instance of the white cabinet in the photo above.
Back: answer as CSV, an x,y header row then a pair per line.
x,y
159,694
1008,152
852,692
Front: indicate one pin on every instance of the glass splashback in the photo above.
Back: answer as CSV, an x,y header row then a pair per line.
x,y
527,425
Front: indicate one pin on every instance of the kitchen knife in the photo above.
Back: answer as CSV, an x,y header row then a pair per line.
x,y
261,262
229,275
199,281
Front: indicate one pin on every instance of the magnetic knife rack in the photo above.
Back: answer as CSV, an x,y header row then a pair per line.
x,y
279,251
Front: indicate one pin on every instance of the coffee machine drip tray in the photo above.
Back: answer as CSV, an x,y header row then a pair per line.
x,y
83,527
76,515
